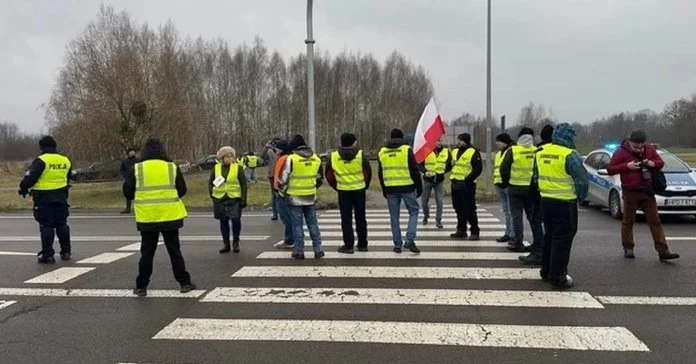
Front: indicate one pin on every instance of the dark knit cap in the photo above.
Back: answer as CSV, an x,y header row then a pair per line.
x,y
546,133
526,131
504,138
638,136
283,145
465,137
348,139
47,142
297,141
396,134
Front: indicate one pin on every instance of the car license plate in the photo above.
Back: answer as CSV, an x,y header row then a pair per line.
x,y
680,202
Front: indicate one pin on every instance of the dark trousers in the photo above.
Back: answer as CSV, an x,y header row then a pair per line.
x,y
519,202
148,247
225,229
53,220
274,198
632,200
128,204
560,226
464,203
349,202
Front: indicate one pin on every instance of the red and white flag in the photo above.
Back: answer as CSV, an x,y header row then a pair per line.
x,y
430,129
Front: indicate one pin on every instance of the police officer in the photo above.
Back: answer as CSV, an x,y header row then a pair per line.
x,y
466,168
156,188
562,181
436,164
47,182
348,171
252,161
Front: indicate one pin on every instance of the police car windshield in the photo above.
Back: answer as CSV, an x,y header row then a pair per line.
x,y
674,164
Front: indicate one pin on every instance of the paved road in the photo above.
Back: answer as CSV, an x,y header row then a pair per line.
x,y
456,302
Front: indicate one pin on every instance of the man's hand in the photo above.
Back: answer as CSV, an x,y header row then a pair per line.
x,y
243,204
633,165
651,164
22,193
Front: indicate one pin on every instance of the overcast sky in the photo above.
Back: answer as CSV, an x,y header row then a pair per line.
x,y
582,58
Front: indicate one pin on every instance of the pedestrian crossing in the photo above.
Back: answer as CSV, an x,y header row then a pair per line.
x,y
386,278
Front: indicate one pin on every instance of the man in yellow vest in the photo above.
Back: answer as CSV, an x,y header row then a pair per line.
x,y
516,173
252,161
47,182
400,180
562,182
433,168
466,168
348,171
156,187
299,179
503,143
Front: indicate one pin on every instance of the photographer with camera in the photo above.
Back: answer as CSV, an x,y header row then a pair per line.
x,y
636,161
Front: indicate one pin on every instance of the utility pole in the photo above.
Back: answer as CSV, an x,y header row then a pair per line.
x,y
310,77
489,120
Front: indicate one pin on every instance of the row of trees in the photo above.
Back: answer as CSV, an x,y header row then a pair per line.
x,y
16,144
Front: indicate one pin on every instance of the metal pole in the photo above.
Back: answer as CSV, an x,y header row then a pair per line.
x,y
310,77
489,120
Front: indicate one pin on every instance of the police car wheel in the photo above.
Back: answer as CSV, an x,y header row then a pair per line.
x,y
615,205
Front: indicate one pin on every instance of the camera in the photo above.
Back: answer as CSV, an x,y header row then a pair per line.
x,y
644,171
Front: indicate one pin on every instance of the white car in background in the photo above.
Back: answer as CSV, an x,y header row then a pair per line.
x,y
605,190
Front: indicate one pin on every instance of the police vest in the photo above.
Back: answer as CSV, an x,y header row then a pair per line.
x,y
462,165
496,166
554,181
436,163
252,161
303,178
349,174
395,171
231,186
522,165
240,161
55,174
156,198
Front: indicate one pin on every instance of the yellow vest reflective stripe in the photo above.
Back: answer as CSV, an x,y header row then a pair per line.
x,y
303,178
522,165
231,187
395,170
496,166
55,174
252,161
156,198
436,163
462,166
554,181
349,174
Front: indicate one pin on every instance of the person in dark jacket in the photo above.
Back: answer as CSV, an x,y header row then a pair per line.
x,y
466,168
400,179
227,187
268,158
282,151
634,161
348,171
126,169
545,135
434,168
47,182
154,217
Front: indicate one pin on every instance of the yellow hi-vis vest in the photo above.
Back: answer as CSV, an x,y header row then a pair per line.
x,y
395,171
231,186
252,161
240,161
156,199
55,175
462,166
436,163
554,181
303,178
496,166
349,174
522,165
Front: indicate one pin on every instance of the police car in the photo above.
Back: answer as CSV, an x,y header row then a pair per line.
x,y
605,190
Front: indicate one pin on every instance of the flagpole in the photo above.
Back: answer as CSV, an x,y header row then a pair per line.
x,y
489,121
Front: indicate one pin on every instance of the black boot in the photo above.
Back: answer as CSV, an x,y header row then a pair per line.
x,y
235,246
225,248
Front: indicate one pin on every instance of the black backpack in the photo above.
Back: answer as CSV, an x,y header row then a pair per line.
x,y
659,181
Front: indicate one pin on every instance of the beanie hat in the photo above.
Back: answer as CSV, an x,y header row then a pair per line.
x,y
348,139
283,145
465,137
47,142
396,134
225,151
546,133
297,141
504,138
526,131
638,136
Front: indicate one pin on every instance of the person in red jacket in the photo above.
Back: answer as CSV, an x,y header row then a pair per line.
x,y
634,161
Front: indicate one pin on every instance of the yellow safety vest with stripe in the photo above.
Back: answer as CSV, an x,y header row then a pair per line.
x,y
240,161
156,198
303,177
349,174
55,174
395,171
437,163
252,161
522,165
231,186
462,165
496,166
554,181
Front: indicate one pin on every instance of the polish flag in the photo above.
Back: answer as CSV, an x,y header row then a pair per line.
x,y
430,129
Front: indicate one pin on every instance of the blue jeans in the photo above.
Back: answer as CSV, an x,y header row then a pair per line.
x,y
284,213
250,174
505,203
439,195
394,204
274,199
309,213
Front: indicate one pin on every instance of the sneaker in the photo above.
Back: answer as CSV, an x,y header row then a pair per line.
x,y
140,292
283,245
319,255
474,237
412,247
503,239
298,256
628,253
458,235
516,247
397,249
563,283
225,249
425,221
346,250
64,256
362,248
668,256
187,287
439,225
531,259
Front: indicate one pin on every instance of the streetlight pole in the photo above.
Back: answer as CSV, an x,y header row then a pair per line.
x,y
489,120
310,77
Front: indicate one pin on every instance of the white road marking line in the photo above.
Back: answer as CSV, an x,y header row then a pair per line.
x,y
677,238
135,247
97,293
403,256
430,243
390,296
415,333
104,258
385,220
337,226
446,210
419,236
17,253
388,272
403,215
60,275
647,300
196,238
5,304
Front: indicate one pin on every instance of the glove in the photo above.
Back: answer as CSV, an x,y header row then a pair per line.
x,y
22,193
243,204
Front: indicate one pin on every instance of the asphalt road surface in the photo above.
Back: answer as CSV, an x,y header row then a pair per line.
x,y
456,302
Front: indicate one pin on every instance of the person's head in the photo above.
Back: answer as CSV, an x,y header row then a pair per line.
x,y
463,139
637,140
130,152
438,144
396,134
250,153
546,133
226,155
297,142
282,146
503,141
154,149
47,143
348,140
526,131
